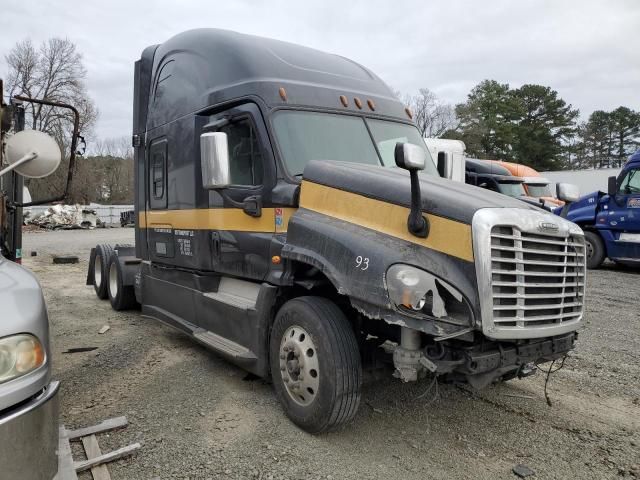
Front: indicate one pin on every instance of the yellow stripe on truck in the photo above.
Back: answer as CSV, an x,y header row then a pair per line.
x,y
233,219
445,235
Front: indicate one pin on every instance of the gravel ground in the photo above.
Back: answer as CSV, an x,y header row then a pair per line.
x,y
198,416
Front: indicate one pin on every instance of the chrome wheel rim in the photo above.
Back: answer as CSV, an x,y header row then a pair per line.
x,y
97,271
589,249
299,365
113,280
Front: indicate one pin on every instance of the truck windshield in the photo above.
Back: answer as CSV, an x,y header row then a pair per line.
x,y
306,136
539,190
631,182
512,189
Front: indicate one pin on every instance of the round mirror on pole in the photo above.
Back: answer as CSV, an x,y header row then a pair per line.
x,y
32,154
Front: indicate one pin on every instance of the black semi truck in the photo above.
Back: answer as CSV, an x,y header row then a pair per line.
x,y
274,226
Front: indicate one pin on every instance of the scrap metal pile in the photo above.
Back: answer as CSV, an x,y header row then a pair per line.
x,y
65,217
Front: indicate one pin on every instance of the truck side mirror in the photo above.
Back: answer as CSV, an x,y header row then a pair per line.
x,y
409,156
412,157
567,192
612,186
214,160
32,154
444,165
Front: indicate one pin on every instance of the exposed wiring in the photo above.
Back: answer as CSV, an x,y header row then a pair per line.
x,y
436,395
548,376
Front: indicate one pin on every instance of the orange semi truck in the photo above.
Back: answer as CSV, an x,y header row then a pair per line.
x,y
535,185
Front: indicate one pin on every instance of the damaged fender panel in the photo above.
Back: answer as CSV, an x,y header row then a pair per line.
x,y
355,259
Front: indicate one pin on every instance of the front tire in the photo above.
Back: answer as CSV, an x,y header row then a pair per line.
x,y
595,249
315,364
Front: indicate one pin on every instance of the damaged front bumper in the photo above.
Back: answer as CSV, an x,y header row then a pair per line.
x,y
508,360
480,365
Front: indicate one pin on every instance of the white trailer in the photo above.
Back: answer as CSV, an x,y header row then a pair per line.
x,y
587,181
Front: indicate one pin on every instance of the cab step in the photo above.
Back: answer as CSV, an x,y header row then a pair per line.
x,y
240,294
224,345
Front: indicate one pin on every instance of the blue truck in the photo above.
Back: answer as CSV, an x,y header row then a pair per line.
x,y
611,221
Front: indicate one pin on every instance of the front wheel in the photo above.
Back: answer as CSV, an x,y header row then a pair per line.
x,y
315,364
595,249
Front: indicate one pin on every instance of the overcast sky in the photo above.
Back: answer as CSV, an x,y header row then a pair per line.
x,y
589,51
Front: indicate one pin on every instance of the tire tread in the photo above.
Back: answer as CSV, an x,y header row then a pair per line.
x,y
106,252
350,375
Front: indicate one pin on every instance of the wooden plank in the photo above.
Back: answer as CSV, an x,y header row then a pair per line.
x,y
92,449
66,468
107,457
110,424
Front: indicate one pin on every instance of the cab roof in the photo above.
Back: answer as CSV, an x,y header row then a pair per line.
x,y
517,169
201,68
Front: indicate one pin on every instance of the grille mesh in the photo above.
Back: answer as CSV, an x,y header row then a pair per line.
x,y
536,280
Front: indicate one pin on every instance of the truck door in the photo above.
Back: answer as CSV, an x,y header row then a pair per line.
x,y
623,217
243,227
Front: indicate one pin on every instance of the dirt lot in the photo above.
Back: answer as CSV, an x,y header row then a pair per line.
x,y
197,416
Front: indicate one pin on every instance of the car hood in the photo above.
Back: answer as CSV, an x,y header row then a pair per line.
x,y
21,300
446,198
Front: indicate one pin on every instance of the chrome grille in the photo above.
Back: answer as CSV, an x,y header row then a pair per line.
x,y
537,280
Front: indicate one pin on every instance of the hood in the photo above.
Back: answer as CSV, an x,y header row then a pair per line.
x,y
22,302
584,209
445,198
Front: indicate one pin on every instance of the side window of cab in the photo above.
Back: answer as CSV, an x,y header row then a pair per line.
x,y
245,155
158,174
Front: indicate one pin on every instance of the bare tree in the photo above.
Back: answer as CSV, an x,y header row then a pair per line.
x,y
110,171
432,116
54,72
119,147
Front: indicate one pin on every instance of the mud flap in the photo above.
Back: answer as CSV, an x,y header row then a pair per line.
x,y
90,271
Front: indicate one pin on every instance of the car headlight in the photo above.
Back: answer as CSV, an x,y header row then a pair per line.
x,y
19,355
419,292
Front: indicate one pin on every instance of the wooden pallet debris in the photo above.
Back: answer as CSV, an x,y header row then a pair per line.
x,y
96,461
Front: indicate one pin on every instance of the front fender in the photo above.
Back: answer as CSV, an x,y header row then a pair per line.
x,y
355,259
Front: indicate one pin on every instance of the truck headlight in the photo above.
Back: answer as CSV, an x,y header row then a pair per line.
x,y
417,291
19,355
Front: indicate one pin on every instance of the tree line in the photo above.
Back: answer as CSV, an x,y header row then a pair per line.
x,y
55,71
530,125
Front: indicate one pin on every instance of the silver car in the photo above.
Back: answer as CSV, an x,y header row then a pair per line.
x,y
28,397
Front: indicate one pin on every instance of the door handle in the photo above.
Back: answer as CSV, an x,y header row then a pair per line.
x,y
252,206
215,240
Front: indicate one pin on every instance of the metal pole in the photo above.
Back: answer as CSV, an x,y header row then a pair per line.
x,y
15,195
